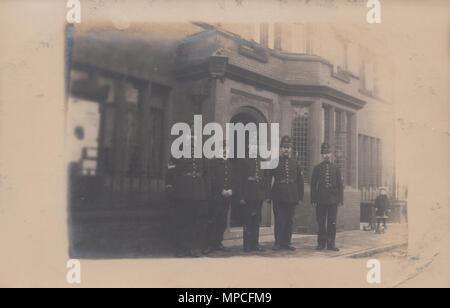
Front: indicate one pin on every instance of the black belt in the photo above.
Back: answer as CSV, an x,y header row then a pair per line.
x,y
284,182
253,179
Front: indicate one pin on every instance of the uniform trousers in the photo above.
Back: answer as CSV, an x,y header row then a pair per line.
x,y
326,215
217,223
284,215
188,224
252,221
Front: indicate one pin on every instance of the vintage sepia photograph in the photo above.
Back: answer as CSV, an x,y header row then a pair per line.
x,y
224,150
335,191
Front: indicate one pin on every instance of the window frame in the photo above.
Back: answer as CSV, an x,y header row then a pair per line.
x,y
348,170
307,167
370,163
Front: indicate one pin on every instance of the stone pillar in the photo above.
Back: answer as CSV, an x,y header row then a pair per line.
x,y
168,122
198,94
354,149
316,132
118,134
331,129
208,107
144,117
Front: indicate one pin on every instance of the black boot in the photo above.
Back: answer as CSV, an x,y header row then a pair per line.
x,y
194,253
247,249
207,250
182,254
221,248
332,247
276,247
290,247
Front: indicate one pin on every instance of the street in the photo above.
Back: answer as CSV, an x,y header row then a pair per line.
x,y
106,240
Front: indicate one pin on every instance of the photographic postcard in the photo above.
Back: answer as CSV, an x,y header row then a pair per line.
x,y
228,143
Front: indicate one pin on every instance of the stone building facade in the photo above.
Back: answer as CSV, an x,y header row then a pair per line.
x,y
146,81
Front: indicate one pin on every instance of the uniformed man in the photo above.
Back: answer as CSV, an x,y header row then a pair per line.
x,y
326,195
253,190
188,187
287,191
222,184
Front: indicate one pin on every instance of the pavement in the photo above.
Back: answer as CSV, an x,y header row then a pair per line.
x,y
112,240
352,244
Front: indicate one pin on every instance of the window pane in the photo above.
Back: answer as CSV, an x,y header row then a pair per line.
x,y
349,150
354,59
369,75
108,139
109,120
131,94
103,81
379,166
327,124
299,38
277,35
360,161
257,32
341,146
264,32
370,163
156,130
300,133
130,143
367,161
271,36
156,140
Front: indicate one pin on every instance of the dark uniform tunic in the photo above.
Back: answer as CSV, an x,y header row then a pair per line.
x,y
221,178
253,188
189,183
287,191
327,192
187,176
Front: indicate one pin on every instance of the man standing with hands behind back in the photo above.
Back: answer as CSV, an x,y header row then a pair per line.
x,y
188,190
286,193
253,190
326,194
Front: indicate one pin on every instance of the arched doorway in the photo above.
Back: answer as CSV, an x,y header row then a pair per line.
x,y
247,115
